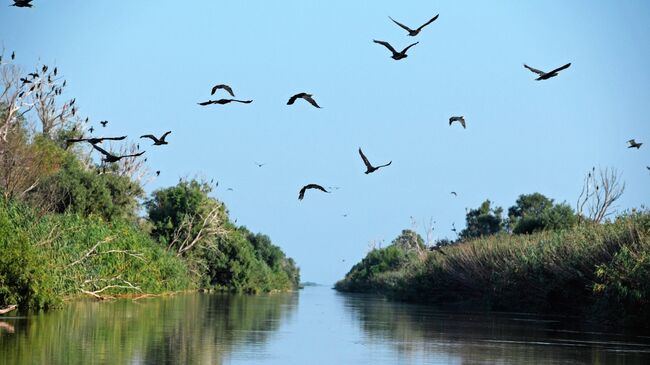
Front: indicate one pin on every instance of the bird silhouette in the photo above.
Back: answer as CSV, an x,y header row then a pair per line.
x,y
158,173
547,75
460,119
454,193
44,68
634,144
396,55
301,194
13,53
55,71
22,4
414,32
369,167
224,101
259,164
91,130
33,74
94,140
222,86
157,141
103,123
109,157
307,97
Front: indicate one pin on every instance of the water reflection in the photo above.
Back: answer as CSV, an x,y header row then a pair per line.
x,y
425,335
185,329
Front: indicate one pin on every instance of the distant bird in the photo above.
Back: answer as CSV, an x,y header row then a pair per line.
x,y
547,75
22,4
44,68
86,120
344,215
156,141
259,164
307,97
33,74
647,167
91,130
415,32
453,227
94,140
13,54
460,119
72,101
230,189
301,194
55,71
222,86
224,101
454,193
634,144
396,55
103,123
64,82
158,173
369,167
109,157
25,80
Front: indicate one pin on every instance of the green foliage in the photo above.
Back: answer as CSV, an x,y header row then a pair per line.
x,y
483,221
535,212
75,189
602,270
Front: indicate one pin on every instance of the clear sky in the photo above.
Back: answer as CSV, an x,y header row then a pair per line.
x,y
143,65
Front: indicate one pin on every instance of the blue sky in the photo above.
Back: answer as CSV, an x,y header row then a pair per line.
x,y
143,65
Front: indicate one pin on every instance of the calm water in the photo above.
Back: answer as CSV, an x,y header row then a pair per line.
x,y
315,326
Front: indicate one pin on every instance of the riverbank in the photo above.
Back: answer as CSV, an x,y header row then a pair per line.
x,y
598,271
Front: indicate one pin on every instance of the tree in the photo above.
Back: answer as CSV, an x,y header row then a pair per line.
x,y
535,212
599,193
483,221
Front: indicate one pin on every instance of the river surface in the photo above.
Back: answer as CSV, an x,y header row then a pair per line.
x,y
314,326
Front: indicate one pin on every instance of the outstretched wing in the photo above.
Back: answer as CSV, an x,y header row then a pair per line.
x,y
401,25
222,86
73,140
165,135
301,194
242,101
311,100
534,70
150,136
561,68
316,186
206,103
407,48
293,98
102,151
429,22
365,159
134,155
388,164
385,44
114,138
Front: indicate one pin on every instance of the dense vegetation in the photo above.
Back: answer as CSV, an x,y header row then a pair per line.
x,y
70,226
563,267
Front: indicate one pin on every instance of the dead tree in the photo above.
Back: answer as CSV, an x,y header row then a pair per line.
x,y
600,191
197,229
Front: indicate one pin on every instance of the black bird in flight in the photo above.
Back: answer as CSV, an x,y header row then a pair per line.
x,y
396,55
103,123
94,140
307,97
222,86
414,32
547,75
634,144
112,158
369,167
158,173
225,101
260,164
55,71
460,119
33,74
454,193
157,141
44,69
13,54
22,4
301,194
91,130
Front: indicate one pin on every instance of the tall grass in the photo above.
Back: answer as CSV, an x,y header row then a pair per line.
x,y
589,269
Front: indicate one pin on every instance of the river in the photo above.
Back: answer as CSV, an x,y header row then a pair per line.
x,y
313,326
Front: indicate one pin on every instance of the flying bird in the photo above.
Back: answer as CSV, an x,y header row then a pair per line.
x,y
460,119
158,173
547,75
414,32
55,71
103,123
224,101
454,193
91,130
369,167
109,157
157,141
396,55
13,54
634,144
22,4
260,164
301,194
94,140
222,86
33,74
307,97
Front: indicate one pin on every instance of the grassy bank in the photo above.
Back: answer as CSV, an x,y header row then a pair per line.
x,y
597,270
